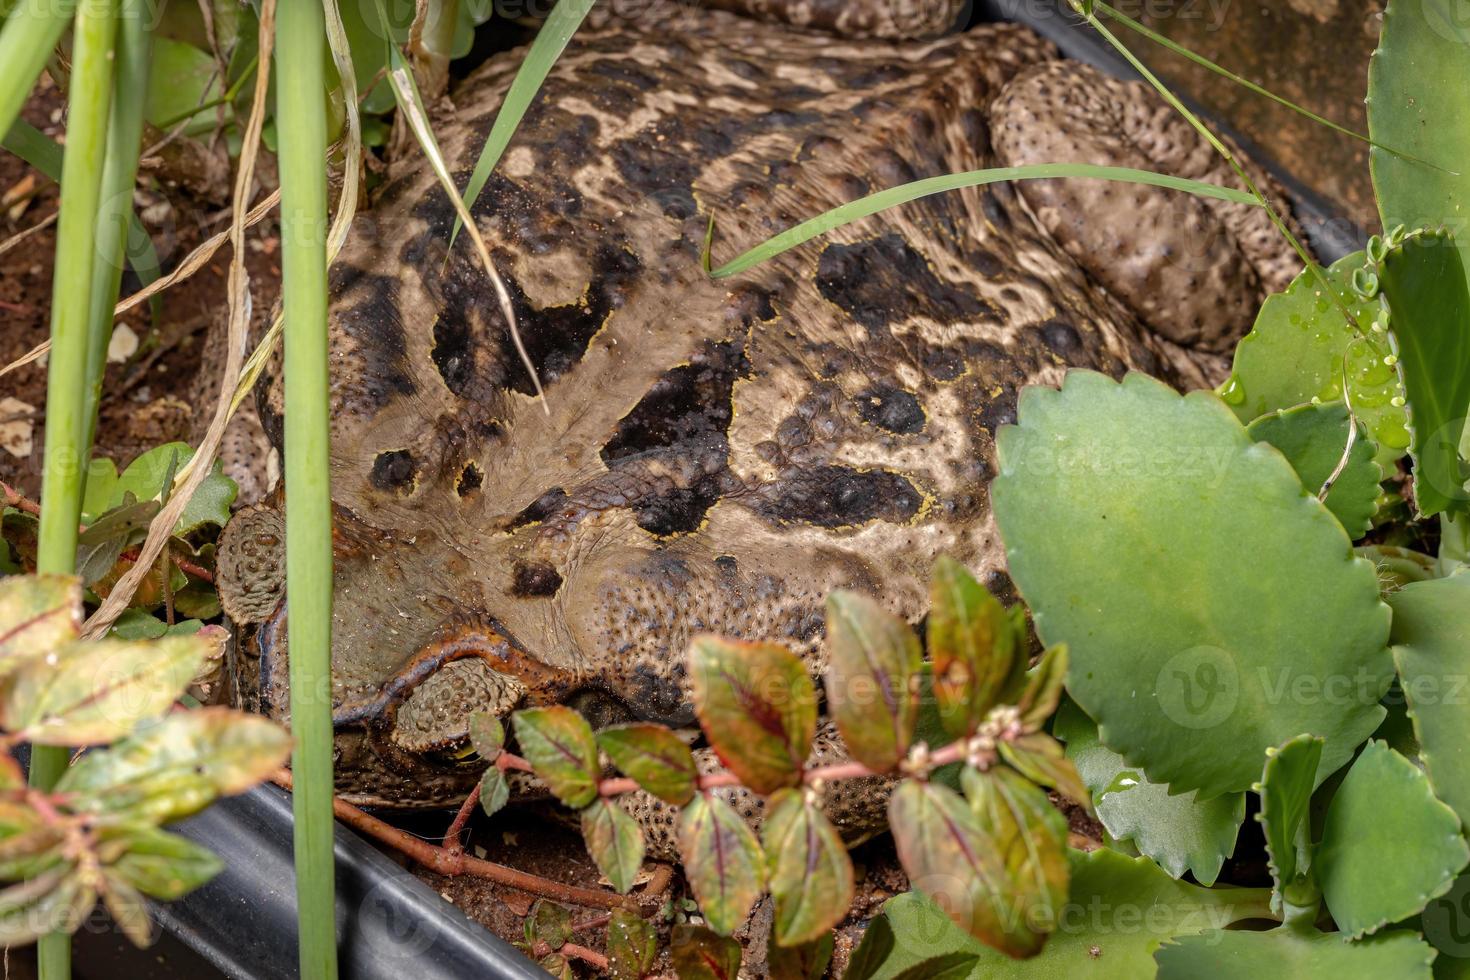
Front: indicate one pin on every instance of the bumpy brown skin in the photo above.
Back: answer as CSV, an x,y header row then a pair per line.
x,y
718,455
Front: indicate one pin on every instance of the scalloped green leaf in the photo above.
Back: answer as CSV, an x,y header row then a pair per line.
x,y
972,645
144,478
1119,910
1179,832
1285,789
1302,954
1297,351
807,866
872,679
559,744
615,842
722,860
1428,302
1211,607
1312,438
654,757
1416,104
757,706
873,951
1431,635
1388,845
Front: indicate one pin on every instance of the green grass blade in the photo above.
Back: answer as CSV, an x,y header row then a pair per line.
x,y
550,41
115,219
44,153
301,128
26,42
67,428
1249,85
894,196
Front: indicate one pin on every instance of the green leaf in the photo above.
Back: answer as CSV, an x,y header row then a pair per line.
x,y
557,966
1416,105
1180,832
38,614
128,908
701,954
101,486
808,961
137,624
1286,796
164,866
92,692
1210,608
1300,348
181,78
494,791
949,966
487,735
144,478
100,546
632,945
550,923
757,706
872,679
892,197
971,643
1301,954
1312,438
1041,759
177,766
722,860
615,842
1431,621
1425,290
1120,909
1446,924
654,757
874,950
1019,823
1044,689
947,855
558,743
1388,846
810,874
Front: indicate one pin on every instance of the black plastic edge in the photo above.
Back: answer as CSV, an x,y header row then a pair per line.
x,y
1329,233
390,925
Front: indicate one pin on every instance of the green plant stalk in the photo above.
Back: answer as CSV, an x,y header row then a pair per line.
x,y
67,428
26,41
301,127
119,173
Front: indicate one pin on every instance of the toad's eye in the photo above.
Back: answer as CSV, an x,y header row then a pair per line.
x,y
601,710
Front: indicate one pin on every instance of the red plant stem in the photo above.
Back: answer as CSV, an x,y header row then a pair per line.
x,y
14,498
572,951
183,565
452,840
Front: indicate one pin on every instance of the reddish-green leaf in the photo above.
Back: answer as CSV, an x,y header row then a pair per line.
x,y
549,923
38,613
872,679
558,966
163,865
805,962
722,860
1019,824
948,857
615,842
972,645
128,909
653,757
55,901
487,735
87,693
1041,759
700,954
1044,688
558,743
807,866
177,766
632,945
757,706
494,791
